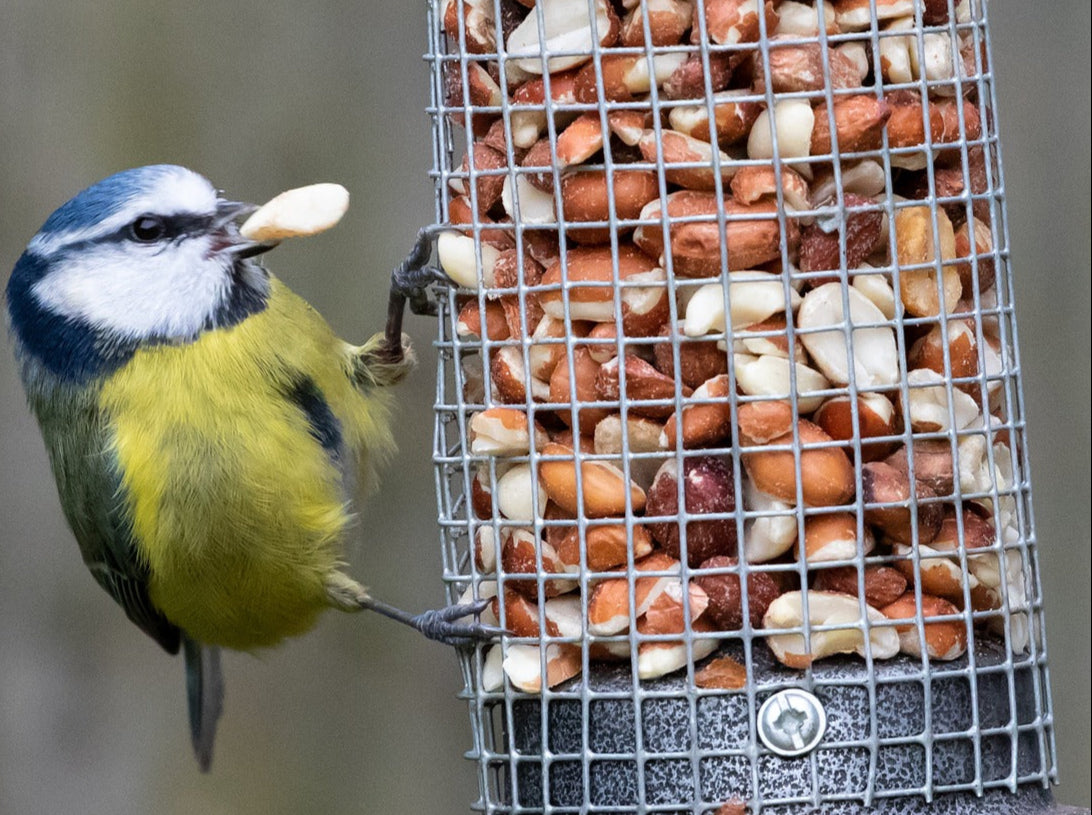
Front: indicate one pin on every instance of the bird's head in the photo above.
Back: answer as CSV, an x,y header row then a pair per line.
x,y
148,255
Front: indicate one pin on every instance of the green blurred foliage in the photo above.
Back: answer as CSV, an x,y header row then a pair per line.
x,y
361,716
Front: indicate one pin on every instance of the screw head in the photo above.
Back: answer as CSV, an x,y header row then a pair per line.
x,y
791,722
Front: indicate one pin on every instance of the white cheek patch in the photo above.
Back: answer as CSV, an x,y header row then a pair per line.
x,y
139,292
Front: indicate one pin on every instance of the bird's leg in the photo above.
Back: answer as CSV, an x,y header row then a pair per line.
x,y
409,284
390,358
446,625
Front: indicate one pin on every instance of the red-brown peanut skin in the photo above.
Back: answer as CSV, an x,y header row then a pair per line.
x,y
585,198
835,416
589,273
883,585
708,487
643,384
752,234
882,484
826,472
934,464
568,386
603,488
820,250
699,360
725,597
944,639
704,424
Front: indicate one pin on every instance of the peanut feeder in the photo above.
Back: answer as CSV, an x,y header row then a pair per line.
x,y
728,406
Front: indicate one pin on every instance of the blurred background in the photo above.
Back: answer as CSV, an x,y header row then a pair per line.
x,y
361,716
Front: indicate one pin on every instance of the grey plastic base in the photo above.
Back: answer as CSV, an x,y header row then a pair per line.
x,y
697,751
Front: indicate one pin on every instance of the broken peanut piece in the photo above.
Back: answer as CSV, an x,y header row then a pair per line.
x,y
297,213
722,673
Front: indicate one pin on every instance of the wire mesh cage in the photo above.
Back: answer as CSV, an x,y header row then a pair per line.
x,y
729,421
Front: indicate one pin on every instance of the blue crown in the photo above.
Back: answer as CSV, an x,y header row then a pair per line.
x,y
106,197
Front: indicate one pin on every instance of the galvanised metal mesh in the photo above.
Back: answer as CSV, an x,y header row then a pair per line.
x,y
662,212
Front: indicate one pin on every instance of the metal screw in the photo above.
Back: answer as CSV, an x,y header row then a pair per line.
x,y
791,722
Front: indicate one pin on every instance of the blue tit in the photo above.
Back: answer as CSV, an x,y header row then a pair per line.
x,y
206,428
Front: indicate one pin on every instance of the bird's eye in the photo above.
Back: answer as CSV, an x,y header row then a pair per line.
x,y
148,228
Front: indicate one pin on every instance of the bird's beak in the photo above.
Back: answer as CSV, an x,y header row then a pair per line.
x,y
226,213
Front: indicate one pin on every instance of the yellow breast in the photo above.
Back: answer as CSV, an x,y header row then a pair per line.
x,y
235,505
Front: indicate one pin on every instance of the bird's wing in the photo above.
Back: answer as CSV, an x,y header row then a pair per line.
x,y
89,486
130,591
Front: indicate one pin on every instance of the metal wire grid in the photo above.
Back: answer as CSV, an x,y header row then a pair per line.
x,y
524,746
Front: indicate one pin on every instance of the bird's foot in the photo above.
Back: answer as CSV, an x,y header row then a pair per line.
x,y
412,277
450,626
454,625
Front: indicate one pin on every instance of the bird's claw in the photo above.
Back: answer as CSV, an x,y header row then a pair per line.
x,y
413,276
410,282
446,624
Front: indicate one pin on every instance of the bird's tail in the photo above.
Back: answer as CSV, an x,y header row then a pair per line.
x,y
205,695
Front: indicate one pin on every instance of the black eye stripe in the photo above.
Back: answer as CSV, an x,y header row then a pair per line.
x,y
176,228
